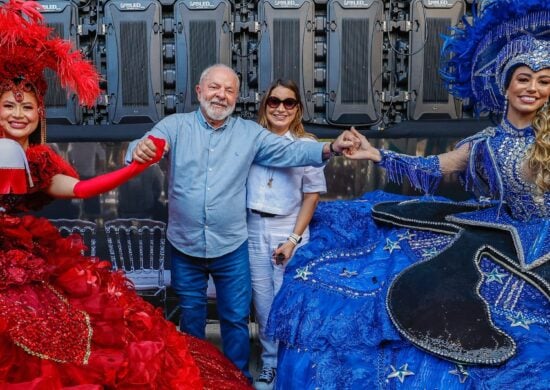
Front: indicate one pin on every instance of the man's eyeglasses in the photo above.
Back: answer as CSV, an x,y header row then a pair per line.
x,y
288,103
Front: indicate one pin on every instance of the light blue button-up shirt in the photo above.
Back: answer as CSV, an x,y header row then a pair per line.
x,y
208,173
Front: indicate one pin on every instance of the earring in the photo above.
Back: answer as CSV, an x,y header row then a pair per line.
x,y
43,131
505,111
42,116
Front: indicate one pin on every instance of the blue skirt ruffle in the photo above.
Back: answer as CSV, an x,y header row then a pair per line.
x,y
333,328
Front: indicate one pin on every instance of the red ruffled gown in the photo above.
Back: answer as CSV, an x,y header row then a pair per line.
x,y
68,321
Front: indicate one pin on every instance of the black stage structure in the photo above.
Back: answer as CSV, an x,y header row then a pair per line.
x,y
372,64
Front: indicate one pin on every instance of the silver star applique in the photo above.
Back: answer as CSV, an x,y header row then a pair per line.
x,y
406,236
519,320
460,372
401,373
391,245
303,273
427,253
494,276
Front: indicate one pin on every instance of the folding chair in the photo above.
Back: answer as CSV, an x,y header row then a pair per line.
x,y
137,246
86,229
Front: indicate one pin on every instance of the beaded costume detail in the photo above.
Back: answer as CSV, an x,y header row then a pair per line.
x,y
505,149
331,315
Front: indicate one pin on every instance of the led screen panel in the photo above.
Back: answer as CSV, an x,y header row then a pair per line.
x,y
61,108
354,61
430,19
133,60
286,44
203,38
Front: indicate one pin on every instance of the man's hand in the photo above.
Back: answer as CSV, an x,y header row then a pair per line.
x,y
146,150
364,151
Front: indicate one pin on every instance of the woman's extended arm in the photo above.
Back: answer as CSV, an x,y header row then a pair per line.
x,y
424,173
63,186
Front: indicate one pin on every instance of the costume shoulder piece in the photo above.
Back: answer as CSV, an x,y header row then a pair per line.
x,y
479,136
44,164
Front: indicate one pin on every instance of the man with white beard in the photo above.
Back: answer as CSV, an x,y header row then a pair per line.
x,y
210,155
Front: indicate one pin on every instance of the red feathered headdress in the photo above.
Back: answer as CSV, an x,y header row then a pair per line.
x,y
27,47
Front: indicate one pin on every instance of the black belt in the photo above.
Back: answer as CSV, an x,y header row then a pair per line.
x,y
262,214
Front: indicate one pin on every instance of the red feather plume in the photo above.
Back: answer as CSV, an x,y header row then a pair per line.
x,y
27,47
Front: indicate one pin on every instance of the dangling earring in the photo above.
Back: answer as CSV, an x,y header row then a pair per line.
x,y
43,131
42,126
505,113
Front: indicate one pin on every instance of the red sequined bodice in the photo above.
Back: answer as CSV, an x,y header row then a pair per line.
x,y
44,164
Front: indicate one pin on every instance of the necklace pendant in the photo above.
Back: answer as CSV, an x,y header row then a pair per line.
x,y
270,182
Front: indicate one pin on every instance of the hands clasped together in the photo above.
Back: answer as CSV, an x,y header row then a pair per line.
x,y
355,146
146,150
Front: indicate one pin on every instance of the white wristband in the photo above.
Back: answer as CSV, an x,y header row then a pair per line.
x,y
295,238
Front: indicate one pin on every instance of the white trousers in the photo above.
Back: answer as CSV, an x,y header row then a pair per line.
x,y
264,235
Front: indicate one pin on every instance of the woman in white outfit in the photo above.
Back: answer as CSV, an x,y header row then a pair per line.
x,y
281,202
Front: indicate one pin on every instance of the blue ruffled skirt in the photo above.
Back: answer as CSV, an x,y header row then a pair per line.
x,y
331,320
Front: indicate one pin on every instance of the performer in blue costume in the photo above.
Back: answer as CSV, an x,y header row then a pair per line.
x,y
424,293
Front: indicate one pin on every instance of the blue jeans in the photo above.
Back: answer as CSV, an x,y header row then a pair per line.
x,y
231,275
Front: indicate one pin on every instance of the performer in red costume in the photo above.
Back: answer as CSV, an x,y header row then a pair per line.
x,y
68,321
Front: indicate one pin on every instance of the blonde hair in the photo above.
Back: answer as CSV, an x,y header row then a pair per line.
x,y
296,127
539,155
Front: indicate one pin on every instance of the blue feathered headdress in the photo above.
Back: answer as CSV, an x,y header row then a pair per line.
x,y
479,56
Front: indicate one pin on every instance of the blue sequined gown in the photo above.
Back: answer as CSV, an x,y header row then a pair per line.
x,y
331,316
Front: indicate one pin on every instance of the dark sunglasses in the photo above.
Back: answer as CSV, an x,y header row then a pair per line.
x,y
288,104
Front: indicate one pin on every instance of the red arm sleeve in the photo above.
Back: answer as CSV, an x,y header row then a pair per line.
x,y
104,183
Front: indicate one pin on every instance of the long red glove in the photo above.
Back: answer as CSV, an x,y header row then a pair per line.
x,y
104,183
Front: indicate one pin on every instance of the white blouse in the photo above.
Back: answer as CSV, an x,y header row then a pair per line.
x,y
280,190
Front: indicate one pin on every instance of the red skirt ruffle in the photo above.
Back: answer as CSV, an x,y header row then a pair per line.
x,y
69,322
